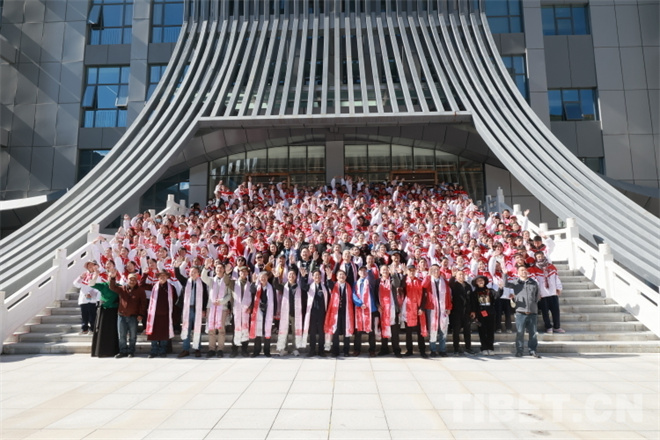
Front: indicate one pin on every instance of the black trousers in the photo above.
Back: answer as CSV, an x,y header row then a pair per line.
x,y
486,331
457,322
335,344
395,329
88,314
503,306
550,304
421,343
316,335
257,345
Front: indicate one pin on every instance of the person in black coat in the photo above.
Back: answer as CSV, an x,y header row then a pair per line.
x,y
464,305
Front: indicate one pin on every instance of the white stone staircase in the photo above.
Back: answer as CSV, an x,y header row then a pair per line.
x,y
593,324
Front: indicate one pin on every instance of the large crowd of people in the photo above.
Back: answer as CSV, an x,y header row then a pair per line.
x,y
314,270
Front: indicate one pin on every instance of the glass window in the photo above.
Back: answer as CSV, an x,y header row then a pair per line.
x,y
167,19
297,158
106,96
565,20
156,196
595,164
236,163
156,72
424,159
355,158
257,161
379,157
517,68
504,16
278,159
110,22
402,157
316,159
88,159
572,105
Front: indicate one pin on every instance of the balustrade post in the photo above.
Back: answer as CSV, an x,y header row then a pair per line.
x,y
59,285
3,317
94,232
572,235
605,257
171,204
500,199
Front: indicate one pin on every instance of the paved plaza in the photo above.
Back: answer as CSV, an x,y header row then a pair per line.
x,y
614,396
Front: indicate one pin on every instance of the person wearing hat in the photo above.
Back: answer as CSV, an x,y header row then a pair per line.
x,y
486,298
88,296
160,323
132,306
261,314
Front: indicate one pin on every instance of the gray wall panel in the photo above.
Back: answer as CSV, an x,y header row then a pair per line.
x,y
74,41
72,82
566,132
140,41
96,55
632,64
603,24
52,42
613,112
55,11
334,159
110,136
41,169
582,63
34,11
49,83
160,53
608,67
6,116
654,101
30,42
45,118
12,11
4,167
557,62
531,17
21,127
512,44
648,20
627,24
68,116
141,9
617,152
90,138
652,66
539,103
589,139
28,79
119,54
637,106
18,175
64,161
9,76
76,10
198,182
644,157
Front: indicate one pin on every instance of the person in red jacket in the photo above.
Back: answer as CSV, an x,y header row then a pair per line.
x,y
413,314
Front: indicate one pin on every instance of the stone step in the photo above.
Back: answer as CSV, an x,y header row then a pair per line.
x,y
584,301
581,293
545,347
601,308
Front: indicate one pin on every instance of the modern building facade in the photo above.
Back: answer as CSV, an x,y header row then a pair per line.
x,y
431,90
76,73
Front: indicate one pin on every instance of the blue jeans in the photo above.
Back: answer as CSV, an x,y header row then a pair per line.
x,y
526,322
127,326
441,345
159,348
191,331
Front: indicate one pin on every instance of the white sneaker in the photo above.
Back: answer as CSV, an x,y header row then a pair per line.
x,y
283,353
296,353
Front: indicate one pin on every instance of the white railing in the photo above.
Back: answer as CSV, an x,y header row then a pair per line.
x,y
21,306
598,265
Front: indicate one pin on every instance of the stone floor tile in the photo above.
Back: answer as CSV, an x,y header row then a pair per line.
x,y
301,419
367,419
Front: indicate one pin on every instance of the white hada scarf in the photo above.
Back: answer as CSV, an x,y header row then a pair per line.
x,y
260,327
242,301
439,315
199,299
216,312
